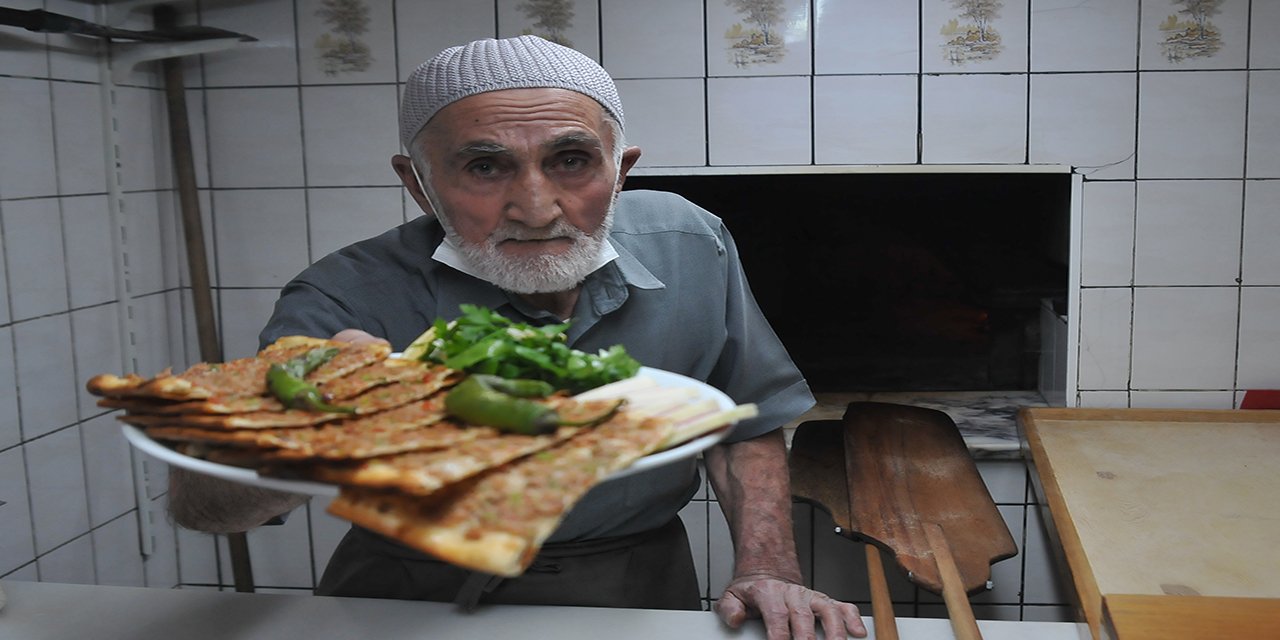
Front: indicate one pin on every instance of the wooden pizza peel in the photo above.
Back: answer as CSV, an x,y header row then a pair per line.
x,y
900,478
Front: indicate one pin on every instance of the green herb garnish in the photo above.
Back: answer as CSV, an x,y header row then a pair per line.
x,y
482,341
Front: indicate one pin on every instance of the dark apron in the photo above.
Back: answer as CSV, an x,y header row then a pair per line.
x,y
649,570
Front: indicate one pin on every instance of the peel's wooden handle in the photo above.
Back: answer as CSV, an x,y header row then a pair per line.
x,y
963,624
881,602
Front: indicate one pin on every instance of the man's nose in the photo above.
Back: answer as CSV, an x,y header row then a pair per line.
x,y
534,200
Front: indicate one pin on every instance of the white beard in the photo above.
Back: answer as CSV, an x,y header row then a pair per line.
x,y
536,273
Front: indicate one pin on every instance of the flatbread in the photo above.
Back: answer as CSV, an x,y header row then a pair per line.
x,y
240,377
426,472
401,393
349,358
499,522
378,374
210,405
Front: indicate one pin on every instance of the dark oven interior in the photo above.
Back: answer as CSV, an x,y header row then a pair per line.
x,y
898,281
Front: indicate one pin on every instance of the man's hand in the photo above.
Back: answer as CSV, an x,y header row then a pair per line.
x,y
356,336
789,610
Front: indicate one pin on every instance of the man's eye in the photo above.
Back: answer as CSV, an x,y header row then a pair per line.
x,y
481,168
574,162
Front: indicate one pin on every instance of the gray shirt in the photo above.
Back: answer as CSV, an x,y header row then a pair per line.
x,y
676,298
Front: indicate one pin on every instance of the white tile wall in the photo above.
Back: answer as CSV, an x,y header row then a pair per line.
x,y
108,469
27,126
583,33
5,315
70,563
152,241
59,507
281,554
272,60
10,430
351,134
467,20
1008,24
865,119
96,348
1200,321
140,120
1182,399
1045,580
1264,51
261,236
316,38
1259,339
694,517
667,119
337,217
45,374
845,41
17,541
1067,35
655,39
1106,247
87,235
727,28
1086,120
1191,124
1105,326
1230,22
255,138
78,138
160,569
1188,232
37,268
975,118
1260,262
198,557
326,532
245,311
759,121
1264,127
117,558
1104,399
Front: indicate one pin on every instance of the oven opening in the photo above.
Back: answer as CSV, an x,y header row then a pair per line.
x,y
900,281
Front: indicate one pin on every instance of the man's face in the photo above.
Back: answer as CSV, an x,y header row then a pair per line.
x,y
524,181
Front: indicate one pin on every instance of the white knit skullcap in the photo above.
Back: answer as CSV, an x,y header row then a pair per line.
x,y
524,62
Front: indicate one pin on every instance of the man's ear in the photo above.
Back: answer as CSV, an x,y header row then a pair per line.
x,y
630,156
403,166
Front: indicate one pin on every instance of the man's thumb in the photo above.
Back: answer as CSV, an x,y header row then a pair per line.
x,y
731,610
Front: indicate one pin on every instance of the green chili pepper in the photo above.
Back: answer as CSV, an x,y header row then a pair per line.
x,y
505,405
287,382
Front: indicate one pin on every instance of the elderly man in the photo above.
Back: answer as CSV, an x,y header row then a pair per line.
x,y
516,152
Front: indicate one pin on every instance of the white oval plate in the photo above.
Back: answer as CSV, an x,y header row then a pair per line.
x,y
143,443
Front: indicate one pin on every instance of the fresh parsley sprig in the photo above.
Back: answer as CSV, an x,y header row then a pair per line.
x,y
482,341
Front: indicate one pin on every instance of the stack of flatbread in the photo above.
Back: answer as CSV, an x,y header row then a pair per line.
x,y
466,493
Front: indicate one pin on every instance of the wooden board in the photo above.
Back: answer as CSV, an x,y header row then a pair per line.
x,y
817,469
909,466
1139,617
1160,502
884,471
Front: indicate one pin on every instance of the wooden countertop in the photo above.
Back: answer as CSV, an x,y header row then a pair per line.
x,y
1161,502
